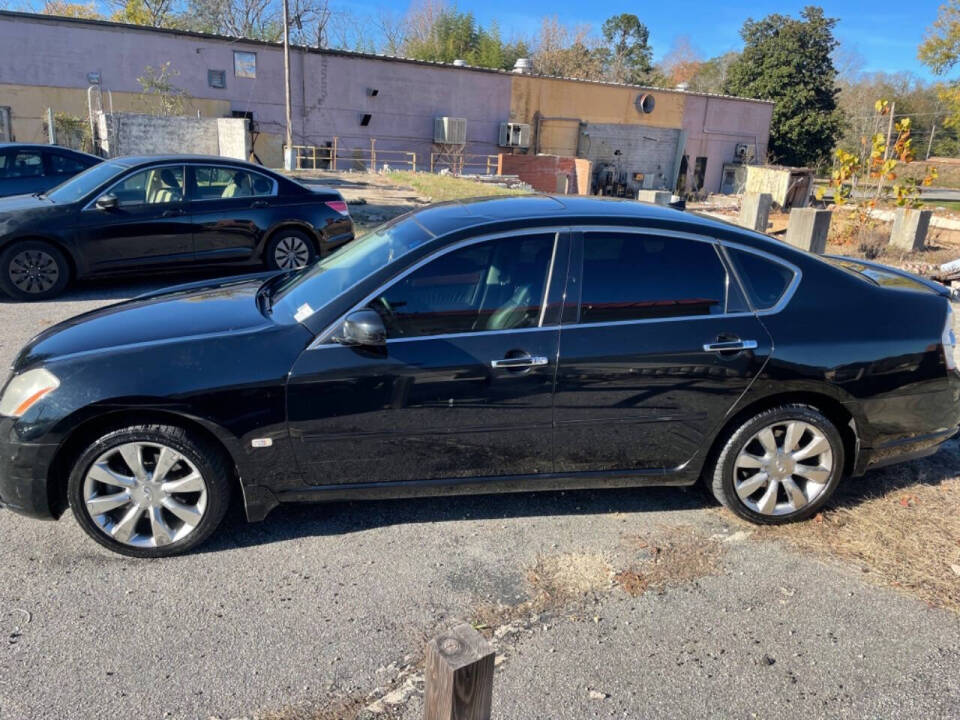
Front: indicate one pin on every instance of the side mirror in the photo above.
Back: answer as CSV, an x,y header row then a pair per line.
x,y
364,328
107,202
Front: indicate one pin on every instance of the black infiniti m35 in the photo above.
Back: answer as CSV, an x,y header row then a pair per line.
x,y
499,345
163,213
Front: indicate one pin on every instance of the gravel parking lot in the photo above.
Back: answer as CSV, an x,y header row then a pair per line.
x,y
601,604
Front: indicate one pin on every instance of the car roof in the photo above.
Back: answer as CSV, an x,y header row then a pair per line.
x,y
132,160
43,146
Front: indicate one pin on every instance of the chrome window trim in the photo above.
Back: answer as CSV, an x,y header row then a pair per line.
x,y
184,165
791,286
321,340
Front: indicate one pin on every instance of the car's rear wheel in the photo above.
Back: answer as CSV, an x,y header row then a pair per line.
x,y
150,490
290,249
780,465
33,270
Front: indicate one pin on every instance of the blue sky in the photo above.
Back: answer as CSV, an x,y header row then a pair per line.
x,y
884,34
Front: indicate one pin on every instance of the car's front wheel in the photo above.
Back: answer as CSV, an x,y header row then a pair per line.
x,y
290,249
33,270
780,465
150,490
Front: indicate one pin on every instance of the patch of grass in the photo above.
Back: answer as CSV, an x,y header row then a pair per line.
x,y
901,525
447,187
681,556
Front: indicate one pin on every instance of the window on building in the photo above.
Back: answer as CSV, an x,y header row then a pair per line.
x,y
495,285
244,64
641,277
217,78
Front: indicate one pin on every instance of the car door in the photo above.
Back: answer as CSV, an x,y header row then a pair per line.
x,y
21,172
464,386
230,210
658,345
149,225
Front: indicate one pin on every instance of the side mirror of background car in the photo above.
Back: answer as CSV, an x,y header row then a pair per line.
x,y
107,202
364,328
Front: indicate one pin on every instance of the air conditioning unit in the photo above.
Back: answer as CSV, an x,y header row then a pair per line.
x,y
450,131
514,135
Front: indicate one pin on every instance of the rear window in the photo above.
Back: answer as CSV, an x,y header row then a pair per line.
x,y
764,280
880,277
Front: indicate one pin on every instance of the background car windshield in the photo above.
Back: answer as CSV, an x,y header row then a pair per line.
x,y
79,186
319,284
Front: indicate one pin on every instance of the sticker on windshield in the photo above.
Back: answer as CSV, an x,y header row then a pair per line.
x,y
303,312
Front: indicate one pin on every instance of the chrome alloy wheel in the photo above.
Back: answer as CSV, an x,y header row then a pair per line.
x,y
145,494
33,271
783,468
291,253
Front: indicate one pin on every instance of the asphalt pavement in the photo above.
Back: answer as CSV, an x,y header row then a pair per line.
x,y
321,611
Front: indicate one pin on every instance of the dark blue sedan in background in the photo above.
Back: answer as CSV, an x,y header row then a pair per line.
x,y
28,168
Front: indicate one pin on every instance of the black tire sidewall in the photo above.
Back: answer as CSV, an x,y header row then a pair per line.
x,y
723,475
270,252
202,454
7,255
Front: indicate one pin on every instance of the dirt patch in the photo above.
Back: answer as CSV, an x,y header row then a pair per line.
x,y
679,557
900,525
347,709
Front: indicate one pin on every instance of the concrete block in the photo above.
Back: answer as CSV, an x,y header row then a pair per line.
x,y
910,229
755,211
657,197
807,229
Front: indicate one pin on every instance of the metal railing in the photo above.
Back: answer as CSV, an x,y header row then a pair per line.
x,y
459,163
333,157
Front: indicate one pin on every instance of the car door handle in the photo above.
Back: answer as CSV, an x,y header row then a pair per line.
x,y
520,362
259,204
172,213
728,345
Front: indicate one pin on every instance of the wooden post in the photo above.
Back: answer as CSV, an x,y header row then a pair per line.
x,y
459,676
333,164
373,155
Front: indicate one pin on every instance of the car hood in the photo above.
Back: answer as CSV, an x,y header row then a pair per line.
x,y
179,314
15,210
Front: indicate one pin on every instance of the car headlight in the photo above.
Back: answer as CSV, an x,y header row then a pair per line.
x,y
24,391
951,353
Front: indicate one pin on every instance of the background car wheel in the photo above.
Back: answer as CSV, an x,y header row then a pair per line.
x,y
290,250
33,270
150,490
779,466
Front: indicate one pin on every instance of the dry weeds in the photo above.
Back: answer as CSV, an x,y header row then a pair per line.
x,y
679,557
901,525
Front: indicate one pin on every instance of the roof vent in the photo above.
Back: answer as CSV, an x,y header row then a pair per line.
x,y
523,66
460,63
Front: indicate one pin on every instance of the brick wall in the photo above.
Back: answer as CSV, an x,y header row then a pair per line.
x,y
548,173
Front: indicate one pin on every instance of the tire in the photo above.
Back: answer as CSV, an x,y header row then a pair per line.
x,y
290,249
33,270
741,478
156,530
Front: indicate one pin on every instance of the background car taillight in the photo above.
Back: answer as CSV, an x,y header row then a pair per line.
x,y
339,205
951,352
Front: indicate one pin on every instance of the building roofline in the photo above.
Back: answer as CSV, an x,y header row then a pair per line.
x,y
57,19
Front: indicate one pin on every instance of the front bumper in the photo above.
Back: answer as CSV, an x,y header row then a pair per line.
x,y
24,471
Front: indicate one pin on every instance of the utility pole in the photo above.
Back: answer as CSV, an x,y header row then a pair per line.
x,y
933,127
288,150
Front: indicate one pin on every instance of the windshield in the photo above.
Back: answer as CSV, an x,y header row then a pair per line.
x,y
79,186
305,292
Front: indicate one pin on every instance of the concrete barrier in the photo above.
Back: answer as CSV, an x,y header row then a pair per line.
x,y
910,227
807,229
657,197
755,211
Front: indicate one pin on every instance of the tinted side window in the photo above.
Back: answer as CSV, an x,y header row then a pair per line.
x,y
157,186
764,280
495,285
22,164
638,277
224,182
64,165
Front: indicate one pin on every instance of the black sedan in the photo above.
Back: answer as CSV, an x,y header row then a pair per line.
x,y
513,344
149,214
27,168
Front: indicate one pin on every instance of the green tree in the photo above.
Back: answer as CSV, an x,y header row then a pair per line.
x,y
627,52
940,51
788,60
